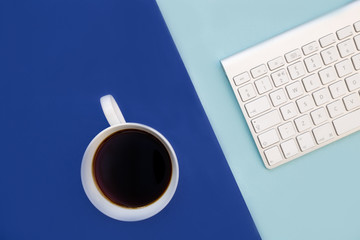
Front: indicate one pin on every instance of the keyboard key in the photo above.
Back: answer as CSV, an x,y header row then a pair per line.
x,y
305,141
268,138
296,70
319,116
310,48
357,26
276,63
344,68
288,111
247,92
313,63
347,123
327,40
352,101
356,61
327,75
257,106
353,82
329,55
323,133
336,108
280,77
263,85
293,55
321,96
278,97
289,148
357,42
294,90
241,78
338,89
344,32
303,123
266,121
286,130
258,71
273,155
311,82
346,48
305,104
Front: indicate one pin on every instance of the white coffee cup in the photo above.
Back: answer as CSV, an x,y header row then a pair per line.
x,y
96,197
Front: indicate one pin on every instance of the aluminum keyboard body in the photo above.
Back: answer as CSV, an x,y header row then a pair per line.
x,y
300,91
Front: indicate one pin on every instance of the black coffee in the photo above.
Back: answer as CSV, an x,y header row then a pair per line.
x,y
132,168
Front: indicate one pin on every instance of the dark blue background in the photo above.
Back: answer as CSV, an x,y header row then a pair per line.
x,y
57,58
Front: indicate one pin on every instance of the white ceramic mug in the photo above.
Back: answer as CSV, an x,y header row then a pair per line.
x,y
103,204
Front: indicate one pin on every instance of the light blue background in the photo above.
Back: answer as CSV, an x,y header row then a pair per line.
x,y
314,197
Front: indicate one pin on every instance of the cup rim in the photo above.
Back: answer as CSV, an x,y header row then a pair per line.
x,y
102,203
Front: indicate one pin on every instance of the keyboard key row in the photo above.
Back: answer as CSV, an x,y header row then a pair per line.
x,y
295,90
289,111
312,63
305,141
322,133
310,82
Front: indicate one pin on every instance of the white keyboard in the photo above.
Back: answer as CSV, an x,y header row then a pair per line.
x,y
300,90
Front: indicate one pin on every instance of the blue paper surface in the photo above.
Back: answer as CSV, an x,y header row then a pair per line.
x,y
314,197
57,58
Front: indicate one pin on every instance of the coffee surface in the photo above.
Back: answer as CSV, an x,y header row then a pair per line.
x,y
132,168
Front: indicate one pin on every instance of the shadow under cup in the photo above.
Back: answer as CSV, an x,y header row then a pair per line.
x,y
132,168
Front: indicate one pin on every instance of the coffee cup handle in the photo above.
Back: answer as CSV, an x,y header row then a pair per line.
x,y
111,110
